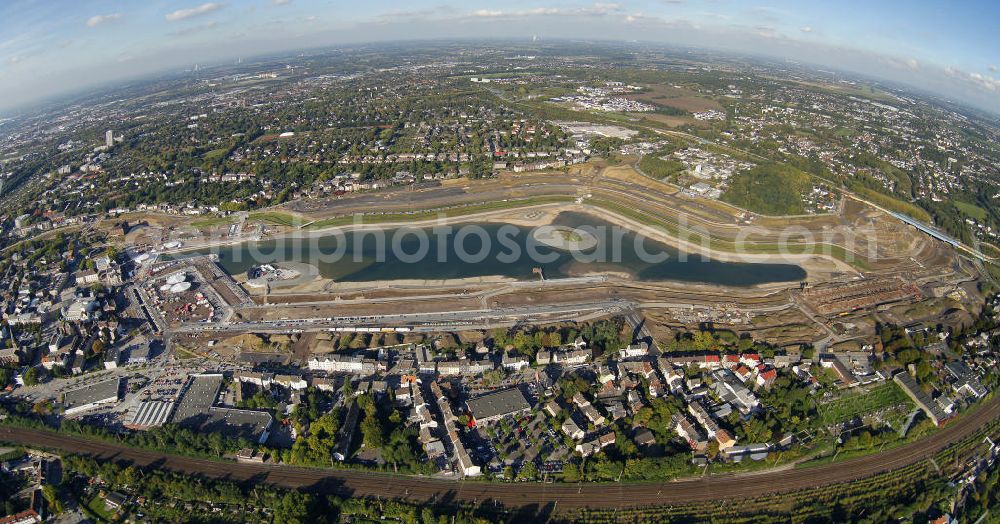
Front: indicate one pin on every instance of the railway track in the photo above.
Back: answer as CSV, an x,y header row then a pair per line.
x,y
352,483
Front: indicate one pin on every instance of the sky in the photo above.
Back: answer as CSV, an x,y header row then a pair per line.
x,y
51,47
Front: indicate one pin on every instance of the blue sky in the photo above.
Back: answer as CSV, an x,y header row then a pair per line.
x,y
50,46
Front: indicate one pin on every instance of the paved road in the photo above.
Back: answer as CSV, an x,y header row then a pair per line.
x,y
431,319
569,496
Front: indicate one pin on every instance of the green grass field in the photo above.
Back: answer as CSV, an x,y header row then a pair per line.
x,y
216,154
95,506
274,217
844,132
212,222
860,403
760,248
417,216
972,210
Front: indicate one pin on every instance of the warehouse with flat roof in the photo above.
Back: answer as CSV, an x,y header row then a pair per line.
x,y
498,404
196,411
149,414
920,398
87,398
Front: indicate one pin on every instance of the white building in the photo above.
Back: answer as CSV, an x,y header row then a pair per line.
x,y
337,363
635,350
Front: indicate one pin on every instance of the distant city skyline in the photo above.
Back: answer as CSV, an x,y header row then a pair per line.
x,y
52,48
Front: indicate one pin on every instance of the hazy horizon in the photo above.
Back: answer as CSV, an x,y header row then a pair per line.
x,y
51,50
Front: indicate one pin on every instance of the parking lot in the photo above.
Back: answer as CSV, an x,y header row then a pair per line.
x,y
515,442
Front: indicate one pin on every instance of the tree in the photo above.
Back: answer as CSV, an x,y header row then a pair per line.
x,y
130,476
713,449
30,377
703,340
529,471
294,508
52,498
625,446
571,473
756,430
371,431
508,473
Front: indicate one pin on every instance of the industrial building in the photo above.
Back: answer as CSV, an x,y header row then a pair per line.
x,y
498,404
197,412
921,399
150,413
87,398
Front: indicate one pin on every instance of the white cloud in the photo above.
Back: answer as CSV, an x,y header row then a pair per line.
x,y
979,80
986,82
596,9
806,29
97,20
183,14
994,68
602,8
281,2
539,11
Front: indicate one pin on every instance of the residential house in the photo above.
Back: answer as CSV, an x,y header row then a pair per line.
x,y
572,430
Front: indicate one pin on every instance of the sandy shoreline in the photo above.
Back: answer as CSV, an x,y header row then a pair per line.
x,y
531,216
816,266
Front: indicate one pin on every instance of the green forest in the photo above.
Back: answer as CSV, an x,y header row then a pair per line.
x,y
768,189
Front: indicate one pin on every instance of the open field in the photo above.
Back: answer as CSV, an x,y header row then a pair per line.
x,y
859,403
868,92
275,217
972,210
676,97
416,216
668,120
622,191
213,222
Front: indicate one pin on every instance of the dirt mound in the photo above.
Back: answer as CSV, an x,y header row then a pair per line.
x,y
246,341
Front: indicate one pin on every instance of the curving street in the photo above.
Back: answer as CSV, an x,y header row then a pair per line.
x,y
563,496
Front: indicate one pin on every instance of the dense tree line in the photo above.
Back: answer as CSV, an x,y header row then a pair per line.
x,y
175,497
769,189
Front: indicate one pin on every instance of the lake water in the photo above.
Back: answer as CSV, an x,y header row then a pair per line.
x,y
489,249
